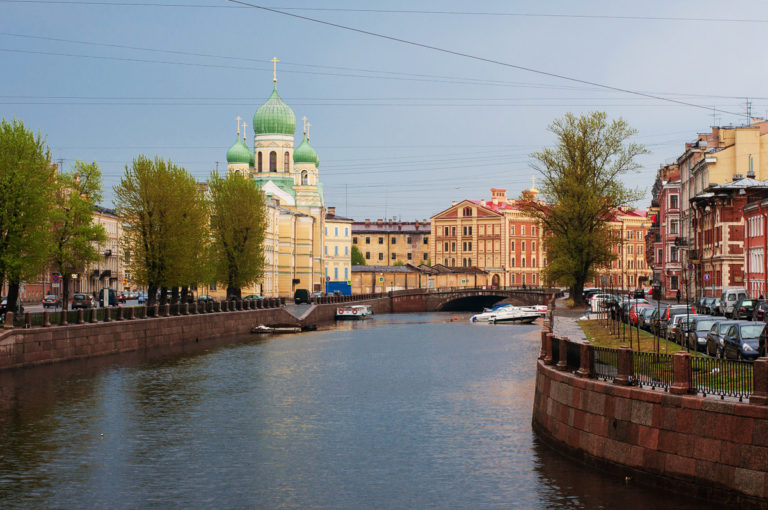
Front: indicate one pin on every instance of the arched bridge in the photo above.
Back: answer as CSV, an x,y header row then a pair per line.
x,y
419,300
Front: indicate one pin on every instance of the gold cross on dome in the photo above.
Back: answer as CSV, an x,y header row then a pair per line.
x,y
274,72
238,125
304,118
308,124
243,130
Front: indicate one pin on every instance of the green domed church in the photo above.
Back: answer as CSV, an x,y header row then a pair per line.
x,y
289,178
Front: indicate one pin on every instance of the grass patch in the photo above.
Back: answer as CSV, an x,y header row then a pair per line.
x,y
601,336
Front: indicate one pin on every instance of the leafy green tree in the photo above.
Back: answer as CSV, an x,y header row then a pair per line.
x,y
27,181
238,227
161,207
75,238
357,256
398,263
583,187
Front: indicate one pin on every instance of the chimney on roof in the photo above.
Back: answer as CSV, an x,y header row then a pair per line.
x,y
332,211
367,222
453,202
390,222
379,222
482,202
737,177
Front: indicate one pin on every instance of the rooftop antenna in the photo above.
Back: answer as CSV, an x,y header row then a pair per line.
x,y
217,166
714,116
749,111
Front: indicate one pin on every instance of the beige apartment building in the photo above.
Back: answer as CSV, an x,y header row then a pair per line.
x,y
390,242
337,251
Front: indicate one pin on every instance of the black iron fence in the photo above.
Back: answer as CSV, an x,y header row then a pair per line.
x,y
712,376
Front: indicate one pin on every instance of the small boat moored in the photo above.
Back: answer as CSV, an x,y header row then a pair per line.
x,y
354,312
511,313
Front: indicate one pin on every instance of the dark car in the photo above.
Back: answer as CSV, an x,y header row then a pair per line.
x,y
694,332
51,300
744,308
301,296
761,311
634,312
82,301
4,307
205,298
667,316
644,317
715,337
637,294
709,305
108,296
741,341
122,297
253,297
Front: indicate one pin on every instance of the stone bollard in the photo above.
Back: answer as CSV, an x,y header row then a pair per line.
x,y
586,360
543,352
548,355
107,314
120,313
80,317
760,382
185,309
193,307
8,320
156,310
166,310
93,318
681,377
258,303
131,313
27,320
562,358
46,318
282,301
63,317
625,368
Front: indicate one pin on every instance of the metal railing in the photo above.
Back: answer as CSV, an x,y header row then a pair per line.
x,y
712,376
606,363
653,370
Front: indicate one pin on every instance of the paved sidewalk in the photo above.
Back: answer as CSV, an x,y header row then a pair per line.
x,y
565,322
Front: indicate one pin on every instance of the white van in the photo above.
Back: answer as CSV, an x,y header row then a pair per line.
x,y
729,298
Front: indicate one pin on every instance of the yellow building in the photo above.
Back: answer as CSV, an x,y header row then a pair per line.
x,y
373,279
495,236
337,251
630,270
389,242
109,271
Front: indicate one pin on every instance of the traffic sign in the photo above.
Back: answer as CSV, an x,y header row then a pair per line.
x,y
706,277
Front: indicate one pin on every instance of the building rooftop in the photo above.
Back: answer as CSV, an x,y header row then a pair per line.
x,y
391,226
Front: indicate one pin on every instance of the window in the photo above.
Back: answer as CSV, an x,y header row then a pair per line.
x,y
512,246
464,246
513,262
394,240
673,282
346,250
367,255
286,159
453,231
533,245
446,247
354,240
381,240
533,231
523,262
326,250
673,226
426,240
446,231
426,256
346,231
533,262
336,231
464,262
367,240
346,273
336,273
467,211
381,256
522,230
465,230
674,254
408,240
523,243
326,230
336,250
260,166
469,262
659,256
453,246
470,246
673,202
393,256
409,256
273,161
512,230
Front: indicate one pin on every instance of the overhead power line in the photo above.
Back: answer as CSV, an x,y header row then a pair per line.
x,y
481,59
430,12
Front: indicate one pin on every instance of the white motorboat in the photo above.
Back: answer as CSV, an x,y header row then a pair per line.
x,y
354,312
511,313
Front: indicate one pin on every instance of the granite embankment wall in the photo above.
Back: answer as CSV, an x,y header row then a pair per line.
x,y
697,445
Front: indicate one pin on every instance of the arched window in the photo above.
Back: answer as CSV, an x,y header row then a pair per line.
x,y
467,211
260,166
304,178
286,159
273,161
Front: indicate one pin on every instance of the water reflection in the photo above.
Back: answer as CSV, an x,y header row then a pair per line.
x,y
401,411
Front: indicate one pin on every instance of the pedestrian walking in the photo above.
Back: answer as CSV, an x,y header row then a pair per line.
x,y
678,296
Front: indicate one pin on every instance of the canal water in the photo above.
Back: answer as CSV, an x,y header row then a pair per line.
x,y
402,411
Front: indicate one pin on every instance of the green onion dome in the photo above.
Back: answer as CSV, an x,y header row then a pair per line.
x,y
239,153
274,117
252,162
305,153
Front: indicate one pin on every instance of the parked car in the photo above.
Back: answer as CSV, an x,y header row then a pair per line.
x,y
316,294
301,296
644,316
252,297
741,341
205,298
121,297
634,312
715,337
4,306
670,327
693,333
709,306
83,301
744,308
668,313
51,300
637,294
761,311
108,296
728,300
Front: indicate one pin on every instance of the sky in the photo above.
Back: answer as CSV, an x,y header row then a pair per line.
x,y
446,101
